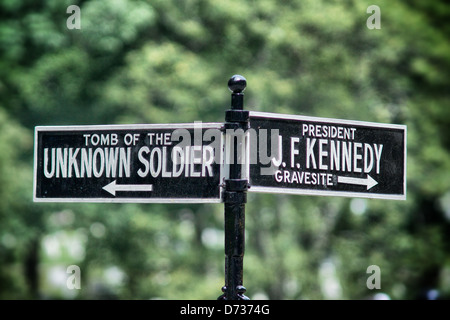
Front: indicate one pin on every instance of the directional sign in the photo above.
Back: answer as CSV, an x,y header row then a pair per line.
x,y
331,157
128,163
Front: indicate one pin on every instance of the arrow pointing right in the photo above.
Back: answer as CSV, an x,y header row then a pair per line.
x,y
369,181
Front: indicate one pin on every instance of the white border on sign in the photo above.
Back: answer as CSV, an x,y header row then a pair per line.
x,y
258,114
327,193
207,125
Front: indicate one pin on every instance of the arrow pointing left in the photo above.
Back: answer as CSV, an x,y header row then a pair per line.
x,y
113,187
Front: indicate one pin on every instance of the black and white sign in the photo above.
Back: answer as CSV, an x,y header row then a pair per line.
x,y
331,157
128,163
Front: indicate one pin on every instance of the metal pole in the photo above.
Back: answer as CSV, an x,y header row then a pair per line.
x,y
235,192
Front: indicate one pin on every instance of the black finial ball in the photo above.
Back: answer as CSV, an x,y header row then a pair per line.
x,y
237,83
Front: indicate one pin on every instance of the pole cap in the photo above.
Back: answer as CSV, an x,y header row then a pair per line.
x,y
237,83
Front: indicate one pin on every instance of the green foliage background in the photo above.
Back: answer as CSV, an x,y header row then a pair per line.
x,y
167,61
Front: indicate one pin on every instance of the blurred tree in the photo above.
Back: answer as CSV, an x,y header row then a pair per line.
x,y
160,61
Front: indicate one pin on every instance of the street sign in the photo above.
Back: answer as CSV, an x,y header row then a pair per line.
x,y
180,163
331,157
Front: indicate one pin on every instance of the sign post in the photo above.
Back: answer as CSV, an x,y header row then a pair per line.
x,y
235,193
198,163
